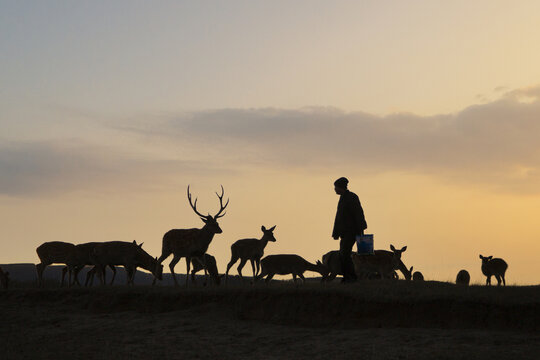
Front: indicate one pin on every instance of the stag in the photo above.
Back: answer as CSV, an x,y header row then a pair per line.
x,y
192,243
250,249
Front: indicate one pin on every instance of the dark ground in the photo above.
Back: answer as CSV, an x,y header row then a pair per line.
x,y
368,320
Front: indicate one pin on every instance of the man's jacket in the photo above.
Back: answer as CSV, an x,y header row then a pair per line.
x,y
349,217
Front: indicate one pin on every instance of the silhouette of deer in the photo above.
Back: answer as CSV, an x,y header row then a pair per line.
x,y
54,252
192,243
382,262
250,249
210,265
494,267
463,278
289,264
4,278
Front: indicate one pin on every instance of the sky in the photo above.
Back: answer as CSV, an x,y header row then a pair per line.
x,y
431,109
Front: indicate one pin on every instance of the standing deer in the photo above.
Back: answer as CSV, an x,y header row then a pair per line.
x,y
463,278
289,264
54,252
4,278
210,265
192,243
494,267
80,257
380,262
250,249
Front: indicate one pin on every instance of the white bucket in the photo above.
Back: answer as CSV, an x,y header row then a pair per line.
x,y
364,244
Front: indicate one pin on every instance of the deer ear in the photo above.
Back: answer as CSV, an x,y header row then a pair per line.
x,y
140,245
490,257
403,249
392,248
319,262
480,256
134,242
263,228
272,228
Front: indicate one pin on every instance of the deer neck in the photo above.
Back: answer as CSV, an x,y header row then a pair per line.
x,y
206,236
262,243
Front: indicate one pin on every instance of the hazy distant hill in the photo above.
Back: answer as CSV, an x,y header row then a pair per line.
x,y
26,272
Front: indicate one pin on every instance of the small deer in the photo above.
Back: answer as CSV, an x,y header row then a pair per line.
x,y
210,265
463,278
250,249
332,261
54,252
192,243
380,262
289,264
4,278
494,267
417,275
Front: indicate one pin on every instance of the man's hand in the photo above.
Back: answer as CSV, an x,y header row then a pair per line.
x,y
336,237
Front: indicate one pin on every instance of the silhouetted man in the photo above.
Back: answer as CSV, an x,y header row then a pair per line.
x,y
349,222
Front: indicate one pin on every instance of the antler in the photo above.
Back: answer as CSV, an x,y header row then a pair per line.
x,y
221,207
194,205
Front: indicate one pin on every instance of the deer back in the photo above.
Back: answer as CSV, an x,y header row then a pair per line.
x,y
55,252
187,242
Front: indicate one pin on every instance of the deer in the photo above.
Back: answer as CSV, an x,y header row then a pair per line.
x,y
463,278
417,275
250,249
192,243
4,278
210,265
381,262
54,252
285,264
128,254
494,267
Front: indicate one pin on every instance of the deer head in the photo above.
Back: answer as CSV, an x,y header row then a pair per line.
x,y
397,253
485,259
268,234
210,222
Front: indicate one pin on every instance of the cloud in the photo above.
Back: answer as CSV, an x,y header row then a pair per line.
x,y
493,144
64,166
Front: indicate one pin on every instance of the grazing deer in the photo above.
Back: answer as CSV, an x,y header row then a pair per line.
x,y
463,278
417,275
289,264
250,249
128,254
494,267
380,262
54,252
192,243
332,261
4,278
210,265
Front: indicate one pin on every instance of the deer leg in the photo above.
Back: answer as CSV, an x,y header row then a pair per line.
x,y
253,267
193,275
269,277
294,277
64,270
258,262
90,277
302,277
113,268
242,263
488,280
188,265
503,279
499,280
40,267
229,265
173,263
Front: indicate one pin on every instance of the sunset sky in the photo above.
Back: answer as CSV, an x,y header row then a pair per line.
x,y
108,110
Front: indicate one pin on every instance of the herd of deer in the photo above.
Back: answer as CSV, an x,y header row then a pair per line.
x,y
192,244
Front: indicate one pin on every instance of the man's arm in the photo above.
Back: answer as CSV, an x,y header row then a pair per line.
x,y
359,219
